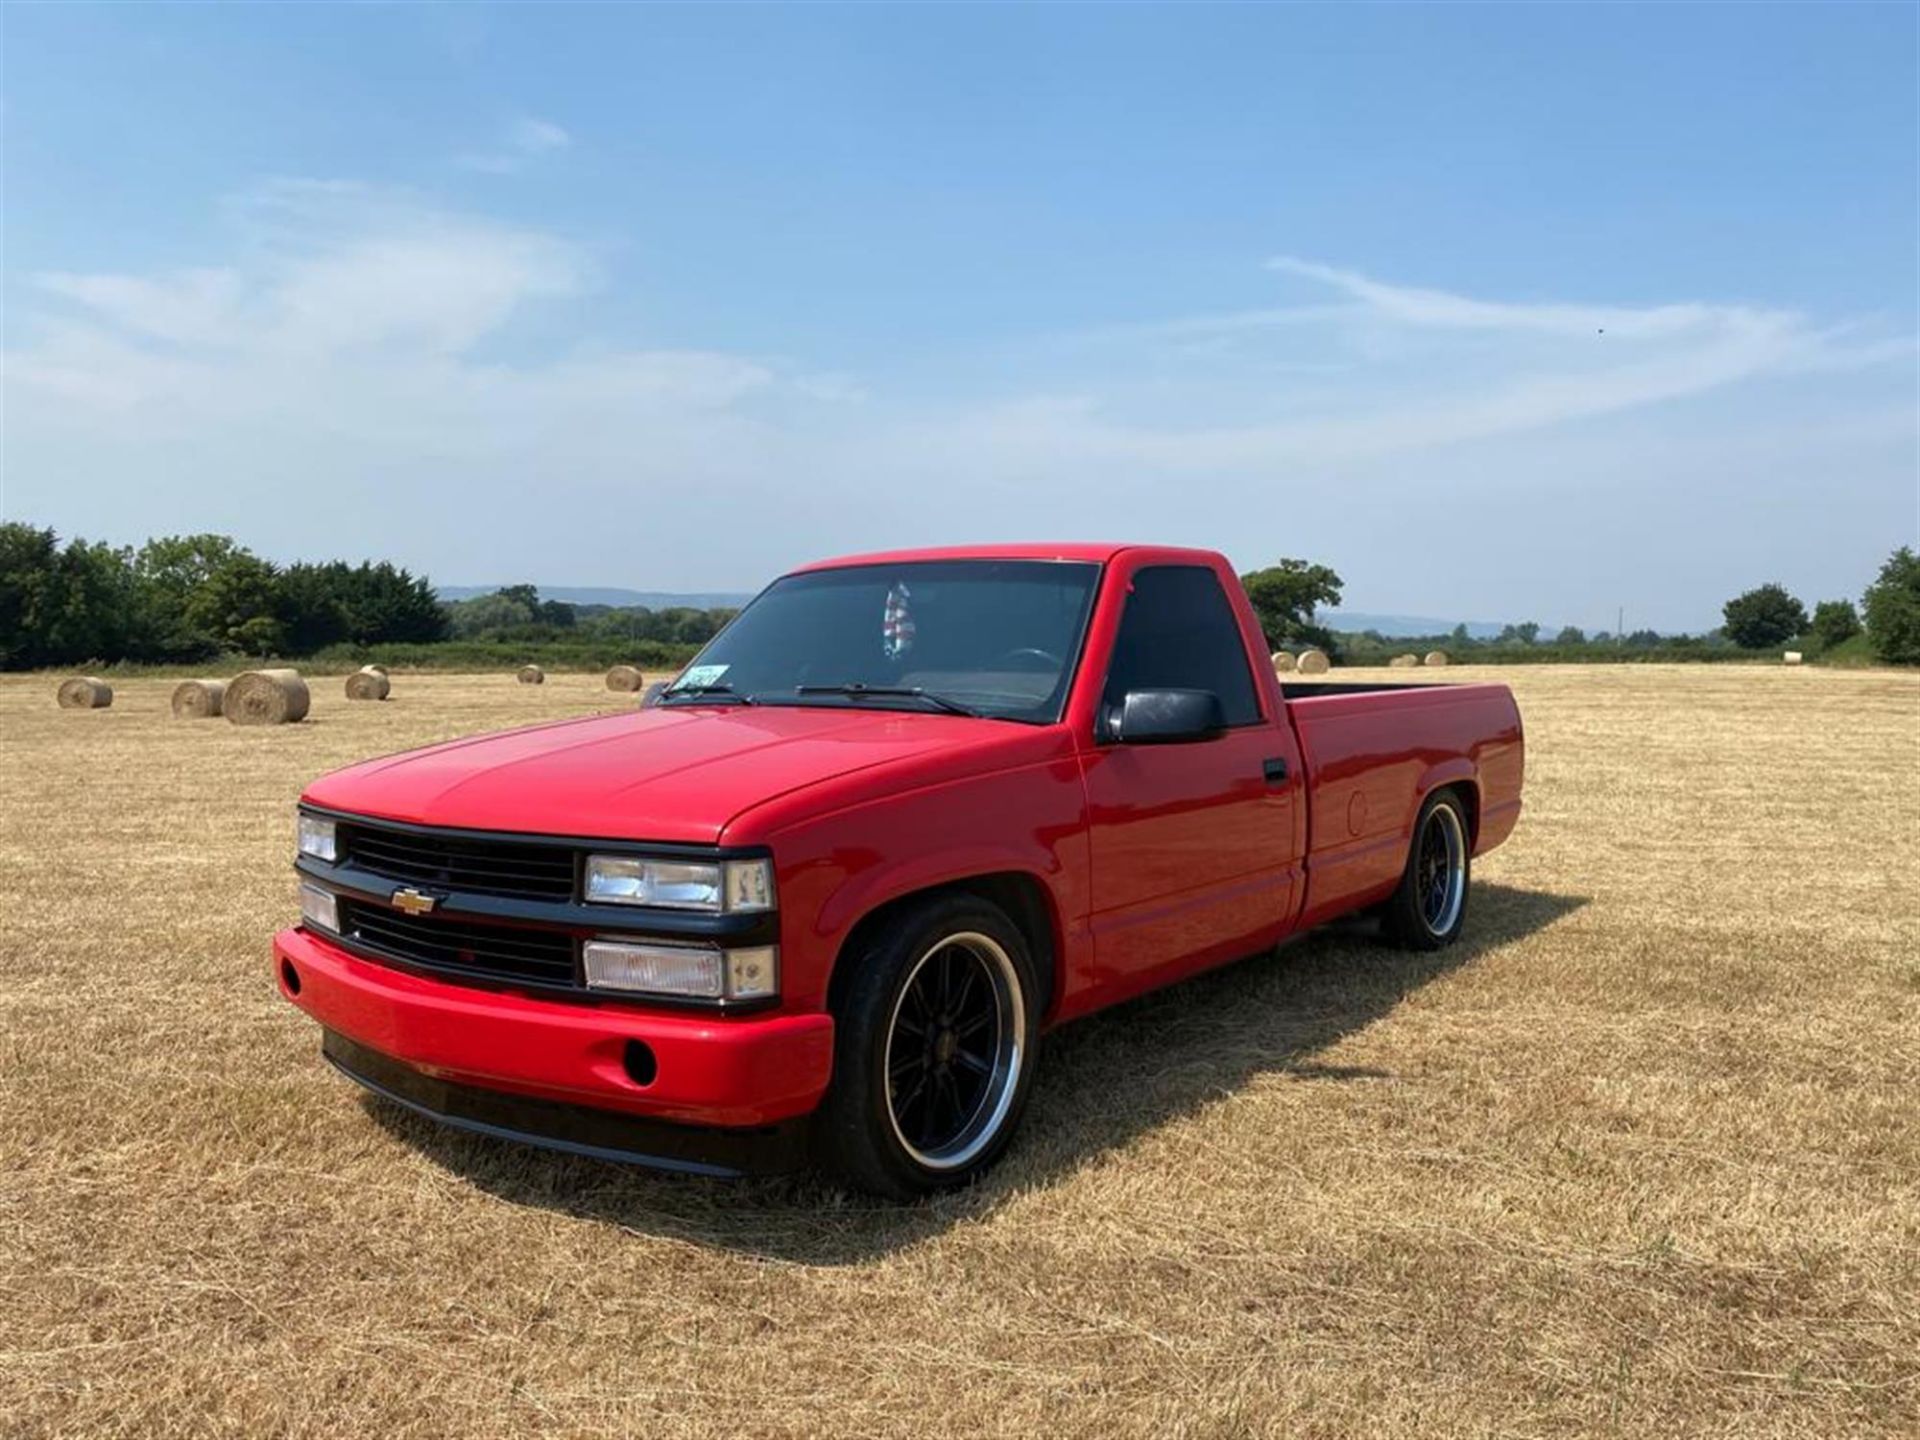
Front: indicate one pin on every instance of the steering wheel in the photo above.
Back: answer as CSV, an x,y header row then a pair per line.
x,y
1032,652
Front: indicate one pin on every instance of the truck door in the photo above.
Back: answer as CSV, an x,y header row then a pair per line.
x,y
1193,844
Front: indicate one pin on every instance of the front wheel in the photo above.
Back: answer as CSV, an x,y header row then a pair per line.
x,y
1429,909
934,1046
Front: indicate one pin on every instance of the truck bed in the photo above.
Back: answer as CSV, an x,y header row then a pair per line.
x,y
1372,751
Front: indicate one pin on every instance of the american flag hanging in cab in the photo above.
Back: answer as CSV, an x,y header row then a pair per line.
x,y
896,624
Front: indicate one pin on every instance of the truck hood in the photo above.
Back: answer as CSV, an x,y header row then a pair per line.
x,y
678,775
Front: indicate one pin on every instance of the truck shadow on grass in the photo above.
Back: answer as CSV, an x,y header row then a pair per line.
x,y
1103,1082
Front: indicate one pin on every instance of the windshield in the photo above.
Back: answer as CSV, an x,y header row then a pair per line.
x,y
989,637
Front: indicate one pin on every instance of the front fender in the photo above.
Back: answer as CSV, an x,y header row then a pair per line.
x,y
872,890
837,869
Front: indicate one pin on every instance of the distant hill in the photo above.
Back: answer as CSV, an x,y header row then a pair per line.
x,y
1354,621
613,595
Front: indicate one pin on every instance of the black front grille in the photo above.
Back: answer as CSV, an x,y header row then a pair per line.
x,y
449,862
462,947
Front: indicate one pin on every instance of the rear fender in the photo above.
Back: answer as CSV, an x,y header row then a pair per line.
x,y
1460,772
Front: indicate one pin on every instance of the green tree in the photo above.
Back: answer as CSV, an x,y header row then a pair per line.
x,y
94,615
60,606
1763,617
385,604
168,573
371,603
238,606
681,625
189,597
487,614
313,605
1285,596
1570,635
1892,605
1835,622
29,562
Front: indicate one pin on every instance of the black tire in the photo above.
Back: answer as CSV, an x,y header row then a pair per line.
x,y
909,1046
1429,909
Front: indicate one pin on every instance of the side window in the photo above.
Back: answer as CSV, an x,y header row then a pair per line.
x,y
1178,633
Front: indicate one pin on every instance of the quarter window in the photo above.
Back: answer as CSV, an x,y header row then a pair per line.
x,y
1179,633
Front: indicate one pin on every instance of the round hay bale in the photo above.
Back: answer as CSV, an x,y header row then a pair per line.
x,y
1313,662
1403,662
625,677
1282,661
532,675
266,697
376,669
368,684
83,692
1436,658
198,699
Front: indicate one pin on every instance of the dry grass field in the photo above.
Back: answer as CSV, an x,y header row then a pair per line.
x,y
1641,1157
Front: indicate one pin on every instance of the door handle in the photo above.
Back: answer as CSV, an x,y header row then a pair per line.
x,y
1275,770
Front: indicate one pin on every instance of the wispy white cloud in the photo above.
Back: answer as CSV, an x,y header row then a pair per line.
x,y
526,140
363,355
332,269
1439,309
534,136
365,352
1391,369
191,307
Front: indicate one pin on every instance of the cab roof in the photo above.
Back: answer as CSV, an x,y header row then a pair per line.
x,y
1098,552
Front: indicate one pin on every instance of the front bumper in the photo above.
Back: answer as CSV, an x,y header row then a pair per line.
x,y
708,1070
726,1151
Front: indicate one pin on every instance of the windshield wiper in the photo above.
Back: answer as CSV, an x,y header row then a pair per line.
x,y
854,689
717,690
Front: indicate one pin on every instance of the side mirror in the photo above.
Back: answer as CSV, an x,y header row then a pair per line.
x,y
1166,717
650,696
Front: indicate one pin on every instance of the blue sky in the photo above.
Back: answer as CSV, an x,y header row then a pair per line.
x,y
1505,312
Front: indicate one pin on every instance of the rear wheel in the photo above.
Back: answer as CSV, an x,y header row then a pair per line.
x,y
934,1046
1429,909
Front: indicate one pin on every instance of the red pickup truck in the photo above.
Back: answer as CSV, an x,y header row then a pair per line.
x,y
821,898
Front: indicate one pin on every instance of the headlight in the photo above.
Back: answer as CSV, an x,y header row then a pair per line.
x,y
716,886
320,909
695,972
316,838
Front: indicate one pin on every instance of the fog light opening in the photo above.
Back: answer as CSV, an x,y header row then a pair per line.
x,y
289,977
641,1067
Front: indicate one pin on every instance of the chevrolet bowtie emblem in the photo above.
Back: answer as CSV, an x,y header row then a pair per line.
x,y
412,901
